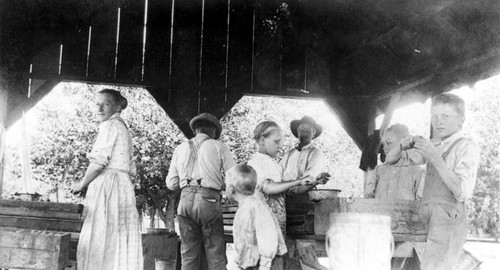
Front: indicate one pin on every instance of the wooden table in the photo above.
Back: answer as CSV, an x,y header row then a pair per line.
x,y
308,223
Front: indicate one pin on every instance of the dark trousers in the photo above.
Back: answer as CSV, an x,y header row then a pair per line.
x,y
201,228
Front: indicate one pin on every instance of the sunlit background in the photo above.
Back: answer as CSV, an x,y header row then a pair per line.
x,y
482,117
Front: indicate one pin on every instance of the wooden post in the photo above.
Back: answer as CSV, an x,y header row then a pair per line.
x,y
3,115
393,104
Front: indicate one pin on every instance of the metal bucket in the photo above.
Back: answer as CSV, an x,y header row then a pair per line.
x,y
165,264
359,241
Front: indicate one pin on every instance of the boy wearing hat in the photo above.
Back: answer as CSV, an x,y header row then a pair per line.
x,y
305,160
452,161
196,168
395,181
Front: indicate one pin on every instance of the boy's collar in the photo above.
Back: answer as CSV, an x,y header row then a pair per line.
x,y
454,137
243,200
307,146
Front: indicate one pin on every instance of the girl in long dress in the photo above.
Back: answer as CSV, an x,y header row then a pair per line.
x,y
270,186
110,238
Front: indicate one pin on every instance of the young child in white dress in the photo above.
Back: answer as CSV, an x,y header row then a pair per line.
x,y
257,236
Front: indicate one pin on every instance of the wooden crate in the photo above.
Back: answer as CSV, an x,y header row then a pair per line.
x,y
406,223
28,249
299,215
64,217
159,246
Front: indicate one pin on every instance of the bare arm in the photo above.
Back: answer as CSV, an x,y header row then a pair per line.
x,y
321,179
460,179
172,179
406,154
92,172
271,187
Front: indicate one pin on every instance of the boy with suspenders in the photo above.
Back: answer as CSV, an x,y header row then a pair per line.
x,y
452,161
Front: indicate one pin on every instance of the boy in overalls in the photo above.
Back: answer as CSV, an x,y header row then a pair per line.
x,y
452,161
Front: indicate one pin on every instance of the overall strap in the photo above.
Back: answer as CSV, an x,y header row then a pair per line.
x,y
445,154
193,156
287,158
122,121
307,158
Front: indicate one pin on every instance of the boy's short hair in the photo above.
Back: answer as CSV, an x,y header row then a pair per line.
x,y
399,129
243,178
455,101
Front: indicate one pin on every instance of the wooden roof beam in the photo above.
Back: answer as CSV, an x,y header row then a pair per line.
x,y
383,38
403,87
447,71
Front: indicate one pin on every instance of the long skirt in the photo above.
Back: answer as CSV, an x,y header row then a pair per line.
x,y
110,238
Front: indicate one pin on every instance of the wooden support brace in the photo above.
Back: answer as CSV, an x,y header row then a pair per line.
x,y
3,113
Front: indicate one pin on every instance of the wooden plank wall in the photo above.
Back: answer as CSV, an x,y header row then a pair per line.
x,y
267,64
190,51
240,44
129,57
103,43
157,60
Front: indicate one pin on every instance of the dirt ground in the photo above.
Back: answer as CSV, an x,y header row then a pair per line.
x,y
488,253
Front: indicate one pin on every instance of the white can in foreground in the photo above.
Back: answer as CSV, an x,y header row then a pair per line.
x,y
359,241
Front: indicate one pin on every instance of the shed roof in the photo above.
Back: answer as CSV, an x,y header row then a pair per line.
x,y
204,55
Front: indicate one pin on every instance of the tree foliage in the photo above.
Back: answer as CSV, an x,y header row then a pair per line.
x,y
63,128
484,123
343,155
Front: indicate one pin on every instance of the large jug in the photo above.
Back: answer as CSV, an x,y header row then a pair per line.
x,y
359,241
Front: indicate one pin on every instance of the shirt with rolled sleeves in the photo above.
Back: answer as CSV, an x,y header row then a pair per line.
x,y
310,161
462,157
213,158
395,182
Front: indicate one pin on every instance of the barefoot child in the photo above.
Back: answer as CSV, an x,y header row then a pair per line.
x,y
257,236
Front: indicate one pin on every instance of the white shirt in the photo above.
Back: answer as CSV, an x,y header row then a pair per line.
x,y
266,168
463,159
214,158
309,162
113,147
